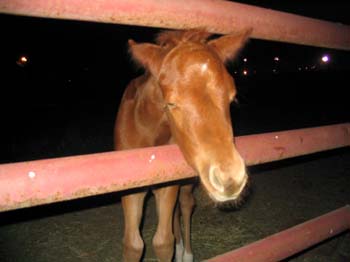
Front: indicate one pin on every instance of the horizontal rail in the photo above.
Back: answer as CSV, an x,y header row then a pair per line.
x,y
291,241
215,15
268,147
38,182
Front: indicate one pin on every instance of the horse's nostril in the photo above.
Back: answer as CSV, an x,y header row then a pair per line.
x,y
214,179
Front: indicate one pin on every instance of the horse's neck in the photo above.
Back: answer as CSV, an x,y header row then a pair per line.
x,y
149,112
149,99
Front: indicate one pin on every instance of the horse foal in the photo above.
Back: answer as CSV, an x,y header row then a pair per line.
x,y
184,98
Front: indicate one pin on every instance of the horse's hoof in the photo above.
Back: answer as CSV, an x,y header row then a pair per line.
x,y
179,252
187,257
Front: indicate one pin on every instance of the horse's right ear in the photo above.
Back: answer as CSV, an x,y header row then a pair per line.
x,y
148,55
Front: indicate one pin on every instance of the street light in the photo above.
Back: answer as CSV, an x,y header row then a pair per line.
x,y
22,60
325,58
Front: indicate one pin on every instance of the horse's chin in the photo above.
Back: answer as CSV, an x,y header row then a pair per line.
x,y
227,203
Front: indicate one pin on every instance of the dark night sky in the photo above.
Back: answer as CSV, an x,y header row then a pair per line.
x,y
68,56
335,11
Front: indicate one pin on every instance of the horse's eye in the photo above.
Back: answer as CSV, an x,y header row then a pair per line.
x,y
165,45
170,105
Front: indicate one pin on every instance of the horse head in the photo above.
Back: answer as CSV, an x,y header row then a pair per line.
x,y
197,91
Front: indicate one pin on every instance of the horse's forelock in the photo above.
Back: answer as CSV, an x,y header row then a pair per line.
x,y
175,37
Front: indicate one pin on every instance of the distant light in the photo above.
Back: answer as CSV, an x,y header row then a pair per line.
x,y
22,61
245,60
276,58
245,72
325,59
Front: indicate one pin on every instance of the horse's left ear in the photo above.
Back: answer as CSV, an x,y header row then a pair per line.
x,y
228,46
148,55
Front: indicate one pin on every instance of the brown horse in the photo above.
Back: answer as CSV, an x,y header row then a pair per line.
x,y
184,98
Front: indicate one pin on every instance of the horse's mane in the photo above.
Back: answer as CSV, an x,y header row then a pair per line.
x,y
173,38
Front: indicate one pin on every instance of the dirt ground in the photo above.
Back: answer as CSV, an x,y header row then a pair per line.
x,y
286,193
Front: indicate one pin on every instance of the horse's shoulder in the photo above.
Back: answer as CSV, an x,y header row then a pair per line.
x,y
134,85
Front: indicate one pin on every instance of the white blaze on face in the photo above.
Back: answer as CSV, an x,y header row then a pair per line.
x,y
204,67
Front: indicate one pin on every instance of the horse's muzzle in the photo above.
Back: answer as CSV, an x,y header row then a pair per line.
x,y
234,204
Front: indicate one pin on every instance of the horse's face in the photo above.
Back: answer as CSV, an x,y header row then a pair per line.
x,y
197,92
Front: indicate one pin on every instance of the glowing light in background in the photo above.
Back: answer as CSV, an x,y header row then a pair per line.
x,y
245,60
245,72
22,60
325,58
276,58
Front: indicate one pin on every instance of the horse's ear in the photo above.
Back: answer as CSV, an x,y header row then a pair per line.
x,y
148,55
228,46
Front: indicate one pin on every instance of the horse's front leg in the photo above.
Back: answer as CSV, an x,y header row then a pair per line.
x,y
185,208
163,240
187,204
179,244
133,243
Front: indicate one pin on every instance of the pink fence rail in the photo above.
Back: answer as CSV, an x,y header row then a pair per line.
x,y
45,181
215,15
291,241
